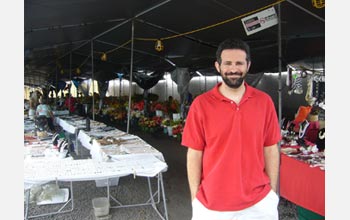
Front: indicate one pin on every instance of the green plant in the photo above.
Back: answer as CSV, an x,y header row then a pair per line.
x,y
166,122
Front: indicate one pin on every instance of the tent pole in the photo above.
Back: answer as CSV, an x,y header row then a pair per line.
x,y
115,87
67,26
166,87
92,80
56,100
279,66
115,27
70,78
130,79
135,50
279,82
131,19
175,32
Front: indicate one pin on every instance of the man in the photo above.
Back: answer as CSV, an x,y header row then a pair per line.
x,y
232,133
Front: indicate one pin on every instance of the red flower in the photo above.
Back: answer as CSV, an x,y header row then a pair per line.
x,y
158,106
139,105
157,120
178,129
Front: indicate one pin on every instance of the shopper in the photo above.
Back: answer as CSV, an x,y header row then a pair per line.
x,y
44,110
70,102
33,103
232,133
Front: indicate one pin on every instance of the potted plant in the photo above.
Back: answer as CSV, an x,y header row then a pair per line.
x,y
177,131
149,124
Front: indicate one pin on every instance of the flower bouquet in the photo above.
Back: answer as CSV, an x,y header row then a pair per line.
x,y
166,122
149,124
177,131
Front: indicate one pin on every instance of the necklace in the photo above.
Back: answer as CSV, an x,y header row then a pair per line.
x,y
303,127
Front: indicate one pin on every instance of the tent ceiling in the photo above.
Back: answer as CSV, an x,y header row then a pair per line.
x,y
54,28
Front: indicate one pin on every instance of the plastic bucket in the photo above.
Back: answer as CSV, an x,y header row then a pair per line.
x,y
101,206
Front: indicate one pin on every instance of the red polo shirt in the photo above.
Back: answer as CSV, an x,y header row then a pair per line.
x,y
232,138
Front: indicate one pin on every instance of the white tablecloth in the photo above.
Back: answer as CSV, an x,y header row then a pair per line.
x,y
129,147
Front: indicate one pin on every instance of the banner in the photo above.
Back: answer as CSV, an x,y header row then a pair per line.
x,y
259,21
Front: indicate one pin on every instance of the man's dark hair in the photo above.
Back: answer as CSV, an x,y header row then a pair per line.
x,y
232,43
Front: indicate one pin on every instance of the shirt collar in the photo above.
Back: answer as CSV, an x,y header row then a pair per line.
x,y
249,92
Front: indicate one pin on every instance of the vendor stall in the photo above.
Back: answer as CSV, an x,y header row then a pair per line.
x,y
302,183
44,164
302,169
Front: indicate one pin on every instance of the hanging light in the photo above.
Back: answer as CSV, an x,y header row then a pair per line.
x,y
62,71
78,71
159,46
318,3
104,57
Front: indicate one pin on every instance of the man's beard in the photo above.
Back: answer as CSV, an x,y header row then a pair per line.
x,y
233,83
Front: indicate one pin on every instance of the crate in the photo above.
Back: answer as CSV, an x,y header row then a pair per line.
x,y
101,206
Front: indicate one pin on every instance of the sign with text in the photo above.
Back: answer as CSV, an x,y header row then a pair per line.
x,y
259,21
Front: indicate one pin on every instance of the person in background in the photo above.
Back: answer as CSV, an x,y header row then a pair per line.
x,y
33,103
60,103
314,125
43,109
70,102
231,133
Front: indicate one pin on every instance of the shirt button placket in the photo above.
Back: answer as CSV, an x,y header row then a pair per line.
x,y
233,104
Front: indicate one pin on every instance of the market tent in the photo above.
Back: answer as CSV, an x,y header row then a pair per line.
x,y
60,35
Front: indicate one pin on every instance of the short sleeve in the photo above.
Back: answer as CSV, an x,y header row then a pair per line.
x,y
272,128
193,134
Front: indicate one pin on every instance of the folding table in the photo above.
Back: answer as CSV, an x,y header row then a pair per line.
x,y
40,171
134,157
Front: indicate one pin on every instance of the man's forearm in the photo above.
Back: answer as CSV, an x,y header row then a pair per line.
x,y
194,170
272,163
